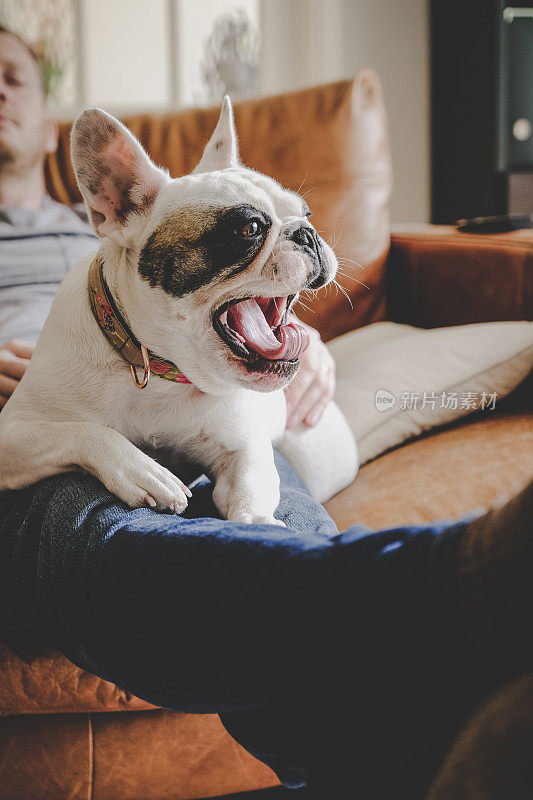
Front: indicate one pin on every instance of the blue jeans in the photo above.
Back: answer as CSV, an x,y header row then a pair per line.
x,y
329,656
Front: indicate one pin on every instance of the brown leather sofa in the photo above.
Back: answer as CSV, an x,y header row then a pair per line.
x,y
66,734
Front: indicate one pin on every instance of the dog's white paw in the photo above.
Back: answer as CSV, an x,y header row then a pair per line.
x,y
142,482
268,521
254,519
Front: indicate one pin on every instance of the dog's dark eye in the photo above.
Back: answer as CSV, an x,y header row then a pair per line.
x,y
252,228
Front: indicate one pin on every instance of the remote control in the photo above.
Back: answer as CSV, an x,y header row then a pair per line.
x,y
501,224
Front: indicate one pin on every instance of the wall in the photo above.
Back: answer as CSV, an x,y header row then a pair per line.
x,y
393,37
146,54
314,41
125,53
154,62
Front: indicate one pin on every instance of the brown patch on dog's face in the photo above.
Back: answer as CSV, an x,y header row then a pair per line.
x,y
195,246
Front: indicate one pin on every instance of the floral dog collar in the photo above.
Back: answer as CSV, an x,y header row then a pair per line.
x,y
118,333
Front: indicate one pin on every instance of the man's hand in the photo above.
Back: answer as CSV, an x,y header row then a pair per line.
x,y
314,386
14,358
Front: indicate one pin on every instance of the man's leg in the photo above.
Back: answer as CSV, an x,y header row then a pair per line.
x,y
447,612
83,572
289,634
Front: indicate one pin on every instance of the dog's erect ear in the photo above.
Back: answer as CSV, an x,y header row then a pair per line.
x,y
221,150
118,181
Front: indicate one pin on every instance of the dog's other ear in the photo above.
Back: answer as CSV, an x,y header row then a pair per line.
x,y
118,181
222,150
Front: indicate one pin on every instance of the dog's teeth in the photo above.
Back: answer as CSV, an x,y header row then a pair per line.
x,y
224,317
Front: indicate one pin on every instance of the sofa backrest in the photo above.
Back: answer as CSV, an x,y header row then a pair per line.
x,y
330,143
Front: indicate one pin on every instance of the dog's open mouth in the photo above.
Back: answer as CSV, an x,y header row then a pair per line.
x,y
255,329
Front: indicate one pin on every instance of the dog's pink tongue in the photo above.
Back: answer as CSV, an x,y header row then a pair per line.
x,y
247,319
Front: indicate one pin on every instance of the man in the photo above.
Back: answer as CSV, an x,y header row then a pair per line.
x,y
39,239
287,633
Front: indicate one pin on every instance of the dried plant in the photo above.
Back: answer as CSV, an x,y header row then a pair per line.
x,y
230,64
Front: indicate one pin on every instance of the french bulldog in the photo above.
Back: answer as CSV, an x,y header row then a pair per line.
x,y
198,274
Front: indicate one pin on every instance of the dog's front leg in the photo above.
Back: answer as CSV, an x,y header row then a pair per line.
x,y
247,485
30,451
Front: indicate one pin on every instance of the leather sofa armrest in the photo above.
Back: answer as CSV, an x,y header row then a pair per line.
x,y
437,276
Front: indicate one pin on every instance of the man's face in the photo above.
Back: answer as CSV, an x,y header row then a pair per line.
x,y
26,133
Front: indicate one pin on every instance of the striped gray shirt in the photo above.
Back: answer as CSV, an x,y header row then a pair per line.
x,y
37,248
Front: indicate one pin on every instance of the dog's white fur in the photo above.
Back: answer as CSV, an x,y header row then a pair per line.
x,y
76,406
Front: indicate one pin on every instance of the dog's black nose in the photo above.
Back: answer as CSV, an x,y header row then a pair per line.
x,y
303,236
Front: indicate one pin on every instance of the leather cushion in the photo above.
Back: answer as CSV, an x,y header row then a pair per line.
x,y
48,683
154,755
461,468
491,758
439,276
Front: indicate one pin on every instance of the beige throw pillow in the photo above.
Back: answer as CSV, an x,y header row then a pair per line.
x,y
395,381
